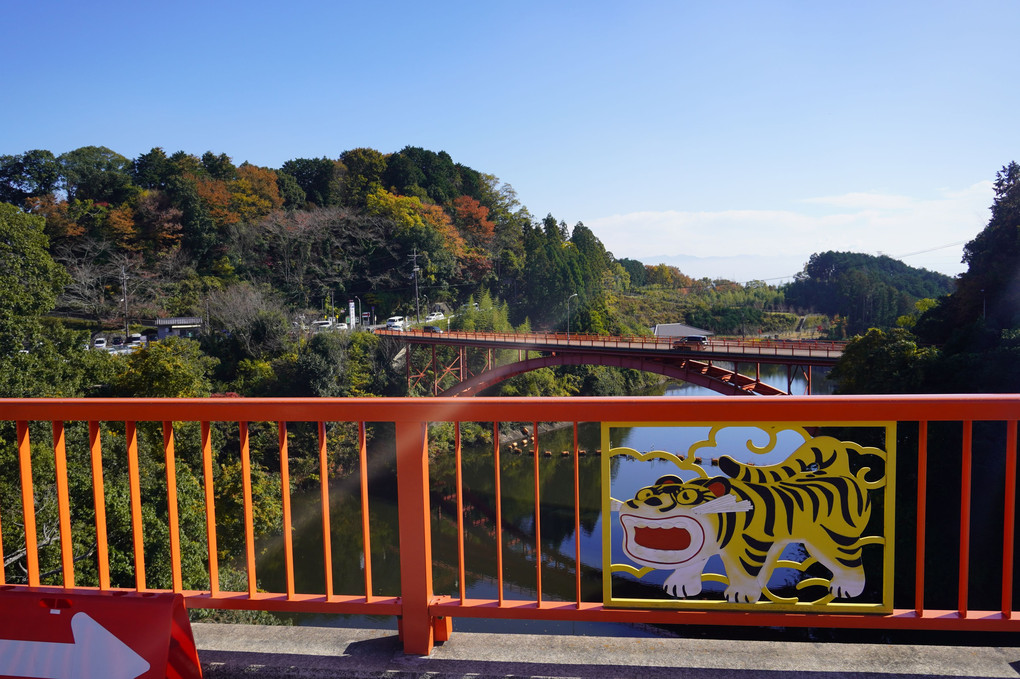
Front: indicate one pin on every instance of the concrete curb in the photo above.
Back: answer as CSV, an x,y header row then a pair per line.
x,y
228,651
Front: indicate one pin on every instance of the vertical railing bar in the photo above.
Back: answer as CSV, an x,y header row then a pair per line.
x,y
99,500
417,626
134,485
1009,520
922,505
965,472
499,517
366,533
460,512
173,522
538,526
288,538
28,503
249,519
63,503
327,547
577,520
3,576
210,510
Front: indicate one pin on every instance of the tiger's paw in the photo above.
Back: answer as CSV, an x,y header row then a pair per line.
x,y
743,595
847,585
681,585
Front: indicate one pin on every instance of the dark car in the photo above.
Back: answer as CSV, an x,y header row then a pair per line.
x,y
117,341
691,342
432,328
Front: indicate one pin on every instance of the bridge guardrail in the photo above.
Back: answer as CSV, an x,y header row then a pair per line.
x,y
69,457
825,349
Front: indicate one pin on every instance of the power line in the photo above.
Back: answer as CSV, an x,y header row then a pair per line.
x,y
940,247
909,254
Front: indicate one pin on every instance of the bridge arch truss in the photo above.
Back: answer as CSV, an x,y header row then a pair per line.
x,y
469,373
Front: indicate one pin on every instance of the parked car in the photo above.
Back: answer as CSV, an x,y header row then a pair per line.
x,y
432,329
99,343
117,341
321,326
135,340
434,316
341,326
395,323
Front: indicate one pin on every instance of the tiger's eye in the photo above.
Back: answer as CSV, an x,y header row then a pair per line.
x,y
687,495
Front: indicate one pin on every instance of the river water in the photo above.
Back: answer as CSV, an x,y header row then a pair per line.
x,y
517,482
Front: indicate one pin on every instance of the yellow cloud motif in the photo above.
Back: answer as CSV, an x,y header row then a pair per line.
x,y
771,431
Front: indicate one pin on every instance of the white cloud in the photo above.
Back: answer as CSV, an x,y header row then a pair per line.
x,y
869,222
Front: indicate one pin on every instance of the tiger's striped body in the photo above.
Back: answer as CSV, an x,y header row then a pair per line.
x,y
749,517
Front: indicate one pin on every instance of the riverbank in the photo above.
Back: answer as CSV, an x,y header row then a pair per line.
x,y
520,433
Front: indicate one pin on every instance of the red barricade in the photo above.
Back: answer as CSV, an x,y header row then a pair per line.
x,y
48,633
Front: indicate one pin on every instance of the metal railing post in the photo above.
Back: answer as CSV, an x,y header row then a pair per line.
x,y
415,537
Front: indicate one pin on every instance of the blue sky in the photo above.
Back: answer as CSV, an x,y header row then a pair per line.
x,y
731,138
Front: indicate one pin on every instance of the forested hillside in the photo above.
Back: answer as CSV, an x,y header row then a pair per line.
x,y
177,229
865,291
968,341
259,252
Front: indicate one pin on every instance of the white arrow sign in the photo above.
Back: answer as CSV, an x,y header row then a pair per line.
x,y
94,654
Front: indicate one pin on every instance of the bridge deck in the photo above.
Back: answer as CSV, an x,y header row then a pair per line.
x,y
760,351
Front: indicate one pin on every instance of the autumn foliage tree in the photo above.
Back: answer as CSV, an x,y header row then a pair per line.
x,y
472,220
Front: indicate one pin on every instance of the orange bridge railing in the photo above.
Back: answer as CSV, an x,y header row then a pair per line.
x,y
170,495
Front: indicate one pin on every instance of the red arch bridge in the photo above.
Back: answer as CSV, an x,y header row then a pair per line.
x,y
467,363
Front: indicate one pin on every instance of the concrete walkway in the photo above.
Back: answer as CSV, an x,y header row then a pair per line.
x,y
253,651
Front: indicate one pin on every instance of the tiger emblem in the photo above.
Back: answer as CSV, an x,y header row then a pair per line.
x,y
748,517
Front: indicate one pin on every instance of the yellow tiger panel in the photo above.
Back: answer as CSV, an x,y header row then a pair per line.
x,y
748,517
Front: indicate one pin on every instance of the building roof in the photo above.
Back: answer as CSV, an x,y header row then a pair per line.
x,y
678,330
179,321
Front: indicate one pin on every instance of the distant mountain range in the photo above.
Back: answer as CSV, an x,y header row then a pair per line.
x,y
741,268
778,269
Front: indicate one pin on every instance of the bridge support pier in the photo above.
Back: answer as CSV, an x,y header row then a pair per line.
x,y
791,374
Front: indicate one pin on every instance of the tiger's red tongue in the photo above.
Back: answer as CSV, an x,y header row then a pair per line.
x,y
665,539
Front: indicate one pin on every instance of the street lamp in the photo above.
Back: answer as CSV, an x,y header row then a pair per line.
x,y
568,314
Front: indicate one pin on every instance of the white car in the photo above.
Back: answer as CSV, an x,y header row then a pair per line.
x,y
395,323
434,316
321,326
99,343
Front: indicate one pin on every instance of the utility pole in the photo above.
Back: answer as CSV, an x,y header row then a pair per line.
x,y
414,272
123,290
568,314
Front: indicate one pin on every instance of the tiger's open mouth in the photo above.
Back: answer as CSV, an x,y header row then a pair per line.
x,y
664,539
661,541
